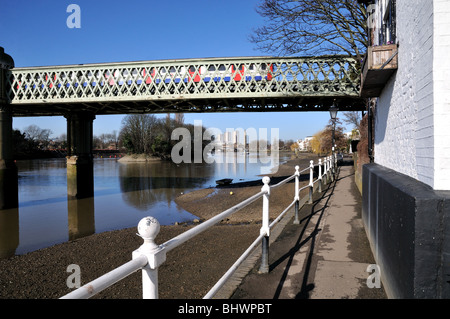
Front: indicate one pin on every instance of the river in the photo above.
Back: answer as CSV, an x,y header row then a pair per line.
x,y
123,194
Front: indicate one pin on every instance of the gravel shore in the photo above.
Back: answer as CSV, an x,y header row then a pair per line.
x,y
190,269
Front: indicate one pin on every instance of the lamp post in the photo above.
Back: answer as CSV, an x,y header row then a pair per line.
x,y
333,114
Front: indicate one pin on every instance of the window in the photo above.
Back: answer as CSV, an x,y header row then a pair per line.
x,y
389,23
382,22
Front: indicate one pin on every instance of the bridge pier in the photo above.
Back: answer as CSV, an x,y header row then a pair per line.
x,y
8,169
9,188
80,165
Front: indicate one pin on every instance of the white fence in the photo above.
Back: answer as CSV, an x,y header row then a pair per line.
x,y
149,256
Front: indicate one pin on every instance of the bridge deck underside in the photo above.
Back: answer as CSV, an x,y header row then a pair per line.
x,y
181,105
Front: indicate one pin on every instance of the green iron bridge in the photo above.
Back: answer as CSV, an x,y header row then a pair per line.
x,y
81,92
191,85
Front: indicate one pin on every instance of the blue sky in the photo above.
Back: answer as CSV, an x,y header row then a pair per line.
x,y
35,33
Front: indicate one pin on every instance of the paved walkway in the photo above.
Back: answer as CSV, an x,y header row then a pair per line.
x,y
325,256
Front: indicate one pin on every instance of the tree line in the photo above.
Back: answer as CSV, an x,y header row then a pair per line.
x,y
36,142
139,134
150,135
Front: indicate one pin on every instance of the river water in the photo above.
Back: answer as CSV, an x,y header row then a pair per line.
x,y
123,194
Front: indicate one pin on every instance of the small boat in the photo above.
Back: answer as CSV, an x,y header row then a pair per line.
x,y
224,181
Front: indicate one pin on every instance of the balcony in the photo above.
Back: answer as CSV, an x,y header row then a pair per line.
x,y
378,66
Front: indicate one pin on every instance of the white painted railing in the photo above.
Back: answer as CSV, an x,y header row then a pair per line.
x,y
149,256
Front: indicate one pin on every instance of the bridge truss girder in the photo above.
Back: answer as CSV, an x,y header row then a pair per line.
x,y
250,84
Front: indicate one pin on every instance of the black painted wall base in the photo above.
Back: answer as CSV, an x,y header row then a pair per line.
x,y
408,226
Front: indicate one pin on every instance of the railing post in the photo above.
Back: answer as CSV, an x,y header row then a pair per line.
x,y
320,175
336,163
297,196
148,229
311,184
333,168
330,168
265,230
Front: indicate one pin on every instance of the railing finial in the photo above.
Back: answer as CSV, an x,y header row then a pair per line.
x,y
148,229
266,187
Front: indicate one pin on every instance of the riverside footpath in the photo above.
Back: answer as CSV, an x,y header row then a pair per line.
x,y
325,256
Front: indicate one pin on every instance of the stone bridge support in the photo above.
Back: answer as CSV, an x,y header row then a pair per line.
x,y
8,170
80,165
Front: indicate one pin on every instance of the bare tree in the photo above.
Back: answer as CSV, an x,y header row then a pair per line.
x,y
115,138
312,27
138,130
352,118
38,135
179,118
105,140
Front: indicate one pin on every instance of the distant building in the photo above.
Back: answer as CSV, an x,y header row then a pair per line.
x,y
348,135
236,139
304,145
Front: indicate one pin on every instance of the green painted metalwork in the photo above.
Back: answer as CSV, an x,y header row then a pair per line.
x,y
190,85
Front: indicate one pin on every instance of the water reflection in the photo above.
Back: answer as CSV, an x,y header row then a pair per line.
x,y
142,185
81,219
9,232
123,194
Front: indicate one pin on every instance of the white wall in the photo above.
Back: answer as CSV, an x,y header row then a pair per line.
x,y
441,76
412,121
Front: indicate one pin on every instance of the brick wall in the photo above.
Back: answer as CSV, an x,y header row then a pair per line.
x,y
412,134
408,222
441,85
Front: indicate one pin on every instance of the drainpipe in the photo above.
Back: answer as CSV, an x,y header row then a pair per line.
x,y
370,129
